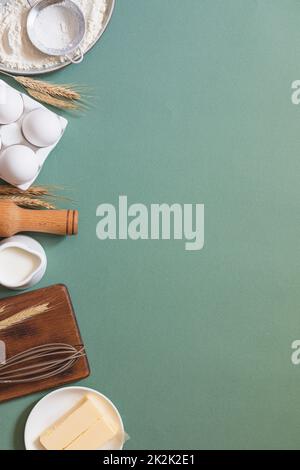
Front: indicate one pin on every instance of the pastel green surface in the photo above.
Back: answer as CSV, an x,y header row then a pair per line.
x,y
192,104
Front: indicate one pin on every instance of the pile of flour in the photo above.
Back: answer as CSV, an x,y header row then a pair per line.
x,y
16,50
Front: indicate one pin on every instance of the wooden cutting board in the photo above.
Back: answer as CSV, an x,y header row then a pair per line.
x,y
36,318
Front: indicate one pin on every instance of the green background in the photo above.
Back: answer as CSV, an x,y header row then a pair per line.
x,y
192,103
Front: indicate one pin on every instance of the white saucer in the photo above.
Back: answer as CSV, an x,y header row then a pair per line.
x,y
54,405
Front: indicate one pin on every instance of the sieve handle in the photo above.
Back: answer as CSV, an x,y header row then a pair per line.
x,y
31,3
77,57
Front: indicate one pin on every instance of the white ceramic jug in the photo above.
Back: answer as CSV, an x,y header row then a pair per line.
x,y
23,262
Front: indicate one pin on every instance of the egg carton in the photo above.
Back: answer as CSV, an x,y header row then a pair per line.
x,y
28,133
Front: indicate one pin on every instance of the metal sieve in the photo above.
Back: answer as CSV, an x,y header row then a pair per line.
x,y
71,50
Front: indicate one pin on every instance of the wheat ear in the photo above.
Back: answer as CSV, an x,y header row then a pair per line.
x,y
60,96
28,202
23,315
58,91
52,101
6,190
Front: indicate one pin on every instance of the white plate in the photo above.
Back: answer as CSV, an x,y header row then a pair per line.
x,y
54,405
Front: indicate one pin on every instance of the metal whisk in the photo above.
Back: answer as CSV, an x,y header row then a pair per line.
x,y
40,362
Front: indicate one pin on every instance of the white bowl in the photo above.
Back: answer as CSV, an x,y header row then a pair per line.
x,y
28,245
54,405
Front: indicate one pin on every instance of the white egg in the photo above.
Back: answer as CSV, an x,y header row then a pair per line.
x,y
11,134
11,105
18,164
41,128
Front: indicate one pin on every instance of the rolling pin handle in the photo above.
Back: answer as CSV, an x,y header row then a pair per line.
x,y
72,222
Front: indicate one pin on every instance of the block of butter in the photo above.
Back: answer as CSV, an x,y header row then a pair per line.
x,y
84,427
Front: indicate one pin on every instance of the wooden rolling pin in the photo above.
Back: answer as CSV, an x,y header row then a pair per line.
x,y
14,219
